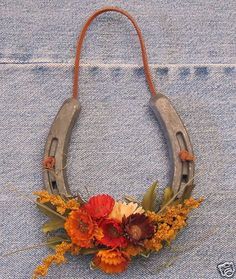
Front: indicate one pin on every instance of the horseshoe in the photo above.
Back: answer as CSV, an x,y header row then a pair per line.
x,y
177,139
57,142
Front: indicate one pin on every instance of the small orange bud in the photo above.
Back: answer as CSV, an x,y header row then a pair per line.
x,y
49,163
186,156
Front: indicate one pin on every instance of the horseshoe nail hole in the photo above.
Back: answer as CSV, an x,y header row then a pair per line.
x,y
185,178
53,147
54,184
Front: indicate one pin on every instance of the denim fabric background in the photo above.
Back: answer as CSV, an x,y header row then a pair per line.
x,y
117,146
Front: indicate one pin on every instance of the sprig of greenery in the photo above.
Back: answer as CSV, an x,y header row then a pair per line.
x,y
150,197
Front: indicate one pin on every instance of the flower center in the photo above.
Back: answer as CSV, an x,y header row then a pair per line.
x,y
136,232
82,226
112,231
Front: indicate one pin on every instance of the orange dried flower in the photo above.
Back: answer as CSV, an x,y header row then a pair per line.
x,y
57,258
133,250
99,206
111,261
82,229
186,156
49,162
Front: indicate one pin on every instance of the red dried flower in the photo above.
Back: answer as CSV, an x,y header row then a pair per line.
x,y
138,227
113,234
99,206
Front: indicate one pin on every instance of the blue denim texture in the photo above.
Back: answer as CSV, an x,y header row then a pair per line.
x,y
117,146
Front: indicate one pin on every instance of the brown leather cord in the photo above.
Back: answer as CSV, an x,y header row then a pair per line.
x,y
81,39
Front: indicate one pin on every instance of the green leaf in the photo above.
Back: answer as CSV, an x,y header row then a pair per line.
x,y
168,195
53,241
53,225
149,199
50,211
88,251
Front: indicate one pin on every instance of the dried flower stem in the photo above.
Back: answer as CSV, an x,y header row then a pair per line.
x,y
13,189
131,199
175,195
35,246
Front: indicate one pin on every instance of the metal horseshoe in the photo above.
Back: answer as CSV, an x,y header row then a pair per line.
x,y
55,179
177,140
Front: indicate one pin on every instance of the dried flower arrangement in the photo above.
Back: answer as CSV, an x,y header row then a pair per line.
x,y
114,231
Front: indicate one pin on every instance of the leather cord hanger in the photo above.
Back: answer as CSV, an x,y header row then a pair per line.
x,y
80,44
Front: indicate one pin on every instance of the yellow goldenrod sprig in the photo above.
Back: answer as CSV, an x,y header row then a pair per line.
x,y
58,258
169,223
60,204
